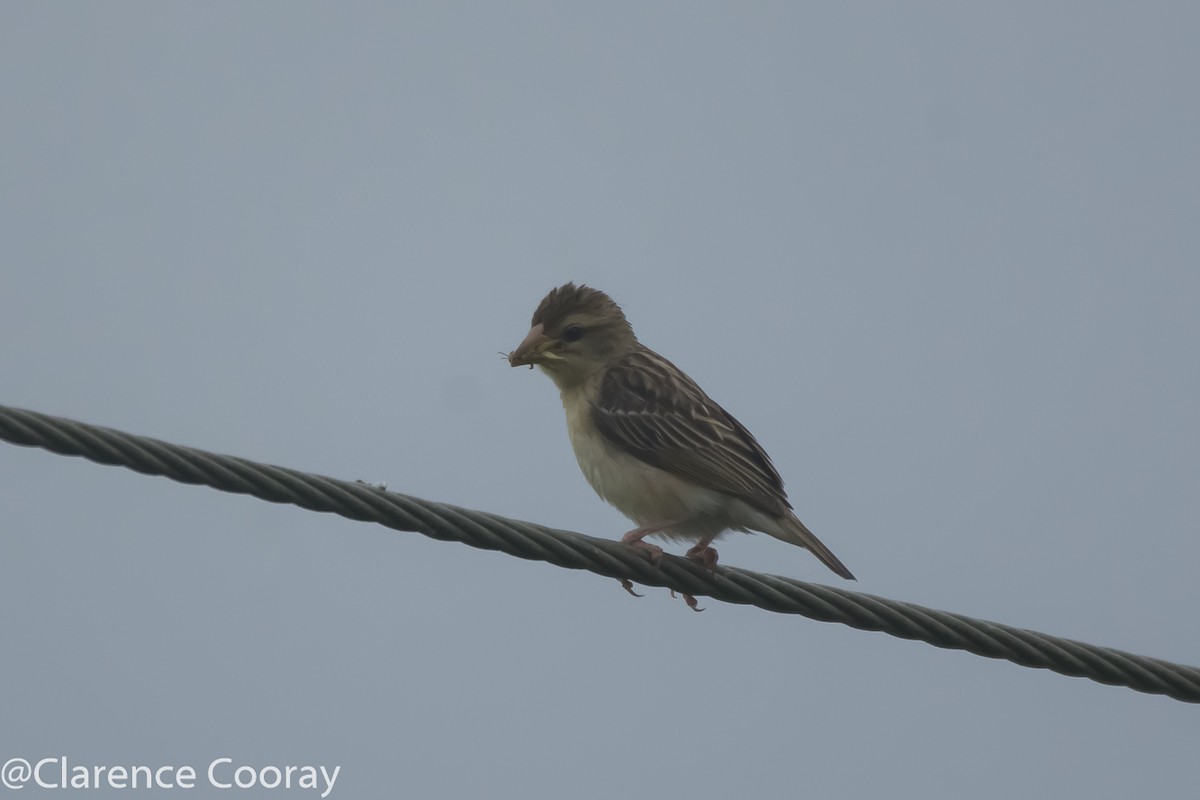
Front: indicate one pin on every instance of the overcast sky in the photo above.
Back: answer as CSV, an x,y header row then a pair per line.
x,y
942,259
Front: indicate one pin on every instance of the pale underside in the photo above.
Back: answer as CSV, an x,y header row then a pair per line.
x,y
649,495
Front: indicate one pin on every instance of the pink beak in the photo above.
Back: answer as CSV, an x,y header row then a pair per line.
x,y
530,348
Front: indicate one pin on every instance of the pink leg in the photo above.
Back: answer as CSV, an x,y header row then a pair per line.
x,y
704,555
653,552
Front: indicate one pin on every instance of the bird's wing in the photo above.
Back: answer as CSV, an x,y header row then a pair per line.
x,y
649,408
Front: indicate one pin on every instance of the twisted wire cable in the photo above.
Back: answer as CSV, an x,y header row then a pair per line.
x,y
602,556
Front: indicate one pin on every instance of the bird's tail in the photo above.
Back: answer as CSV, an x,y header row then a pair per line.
x,y
793,530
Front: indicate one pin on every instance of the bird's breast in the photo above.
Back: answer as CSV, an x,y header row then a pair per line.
x,y
644,493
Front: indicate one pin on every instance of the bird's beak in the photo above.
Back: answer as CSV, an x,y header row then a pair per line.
x,y
532,349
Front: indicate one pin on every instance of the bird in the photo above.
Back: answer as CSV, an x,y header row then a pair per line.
x,y
650,441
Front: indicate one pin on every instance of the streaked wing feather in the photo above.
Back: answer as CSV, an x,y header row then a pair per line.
x,y
652,410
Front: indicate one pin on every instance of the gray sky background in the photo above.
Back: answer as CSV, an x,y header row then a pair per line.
x,y
943,259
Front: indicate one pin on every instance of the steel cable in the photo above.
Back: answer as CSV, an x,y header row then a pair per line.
x,y
602,556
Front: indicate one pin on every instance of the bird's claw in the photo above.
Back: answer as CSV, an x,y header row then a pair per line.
x,y
691,601
627,585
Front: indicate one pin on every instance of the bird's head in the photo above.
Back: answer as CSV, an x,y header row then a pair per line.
x,y
575,331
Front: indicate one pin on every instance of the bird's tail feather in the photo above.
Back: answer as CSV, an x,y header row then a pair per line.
x,y
793,530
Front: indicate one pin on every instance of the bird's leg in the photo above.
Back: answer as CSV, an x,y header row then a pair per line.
x,y
704,555
652,551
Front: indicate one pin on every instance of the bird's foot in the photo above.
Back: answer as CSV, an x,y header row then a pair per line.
x,y
627,585
703,555
652,552
691,601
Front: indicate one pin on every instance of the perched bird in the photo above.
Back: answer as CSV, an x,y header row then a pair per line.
x,y
649,440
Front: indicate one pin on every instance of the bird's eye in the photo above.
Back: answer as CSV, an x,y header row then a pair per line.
x,y
573,333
